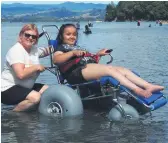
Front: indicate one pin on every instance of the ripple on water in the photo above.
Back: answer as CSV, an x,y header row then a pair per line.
x,y
141,49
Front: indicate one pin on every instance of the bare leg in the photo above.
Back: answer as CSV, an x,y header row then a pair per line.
x,y
138,81
32,99
23,106
95,71
43,89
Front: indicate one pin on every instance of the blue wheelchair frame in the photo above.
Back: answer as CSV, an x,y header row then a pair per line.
x,y
108,87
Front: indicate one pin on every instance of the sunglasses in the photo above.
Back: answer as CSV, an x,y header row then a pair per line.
x,y
28,36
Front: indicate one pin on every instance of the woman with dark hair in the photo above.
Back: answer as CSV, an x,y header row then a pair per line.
x,y
76,71
21,69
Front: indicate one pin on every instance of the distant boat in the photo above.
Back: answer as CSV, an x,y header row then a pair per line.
x,y
87,32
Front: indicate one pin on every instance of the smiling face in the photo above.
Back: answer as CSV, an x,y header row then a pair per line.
x,y
69,35
28,38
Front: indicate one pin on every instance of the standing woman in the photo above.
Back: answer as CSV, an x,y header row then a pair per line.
x,y
21,70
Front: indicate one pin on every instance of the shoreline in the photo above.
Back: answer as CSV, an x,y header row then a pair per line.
x,y
163,21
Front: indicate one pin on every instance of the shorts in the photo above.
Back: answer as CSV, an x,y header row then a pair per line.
x,y
76,77
17,93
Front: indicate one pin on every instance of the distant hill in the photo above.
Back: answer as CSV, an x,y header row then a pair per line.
x,y
52,12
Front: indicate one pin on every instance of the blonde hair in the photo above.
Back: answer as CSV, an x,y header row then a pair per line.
x,y
29,27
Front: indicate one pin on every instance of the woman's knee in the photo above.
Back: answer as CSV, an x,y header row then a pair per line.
x,y
113,69
121,70
43,89
34,97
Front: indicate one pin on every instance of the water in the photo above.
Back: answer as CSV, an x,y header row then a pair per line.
x,y
142,49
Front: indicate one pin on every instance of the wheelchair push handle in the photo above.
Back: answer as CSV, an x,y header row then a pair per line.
x,y
109,50
50,26
111,58
46,33
41,34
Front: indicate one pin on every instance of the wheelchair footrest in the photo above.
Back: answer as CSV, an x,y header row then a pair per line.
x,y
155,101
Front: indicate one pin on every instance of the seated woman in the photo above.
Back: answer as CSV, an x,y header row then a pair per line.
x,y
78,72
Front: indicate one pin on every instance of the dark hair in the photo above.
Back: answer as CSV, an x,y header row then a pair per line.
x,y
61,31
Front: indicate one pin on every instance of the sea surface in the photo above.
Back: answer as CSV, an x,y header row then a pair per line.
x,y
143,49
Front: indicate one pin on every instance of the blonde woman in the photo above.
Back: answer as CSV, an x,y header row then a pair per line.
x,y
21,70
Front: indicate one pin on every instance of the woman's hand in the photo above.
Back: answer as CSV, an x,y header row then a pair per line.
x,y
102,52
23,72
78,53
40,68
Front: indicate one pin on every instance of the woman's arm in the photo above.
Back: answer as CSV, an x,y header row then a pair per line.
x,y
43,52
23,72
60,57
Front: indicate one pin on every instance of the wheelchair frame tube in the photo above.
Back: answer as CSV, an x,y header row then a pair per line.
x,y
48,38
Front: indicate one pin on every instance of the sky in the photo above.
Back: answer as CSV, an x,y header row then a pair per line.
x,y
53,1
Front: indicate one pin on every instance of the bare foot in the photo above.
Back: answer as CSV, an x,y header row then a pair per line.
x,y
142,92
152,88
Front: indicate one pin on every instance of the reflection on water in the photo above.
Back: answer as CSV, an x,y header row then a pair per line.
x,y
141,48
33,127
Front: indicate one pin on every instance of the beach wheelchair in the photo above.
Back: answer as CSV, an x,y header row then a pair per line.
x,y
106,94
